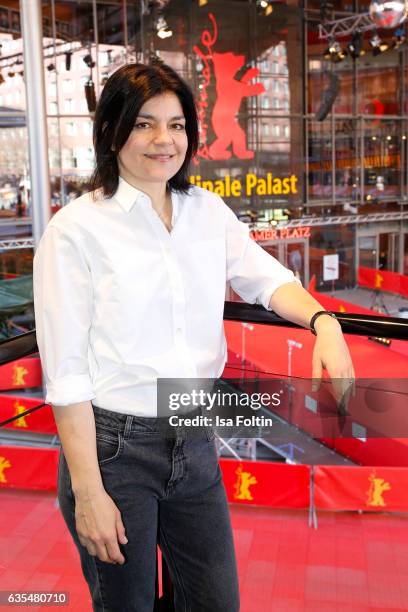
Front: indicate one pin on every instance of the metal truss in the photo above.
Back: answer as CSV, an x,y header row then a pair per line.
x,y
335,220
28,243
17,243
346,26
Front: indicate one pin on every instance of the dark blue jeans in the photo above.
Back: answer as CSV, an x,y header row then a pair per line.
x,y
169,491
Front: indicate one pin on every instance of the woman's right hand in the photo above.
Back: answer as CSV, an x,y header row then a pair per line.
x,y
99,525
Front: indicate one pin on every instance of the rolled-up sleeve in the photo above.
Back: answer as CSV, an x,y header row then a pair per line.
x,y
253,273
63,314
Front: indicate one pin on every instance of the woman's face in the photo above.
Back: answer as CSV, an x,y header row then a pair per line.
x,y
157,146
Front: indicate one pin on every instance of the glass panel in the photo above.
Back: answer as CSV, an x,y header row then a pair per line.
x,y
295,259
273,250
379,82
382,159
367,251
405,260
347,160
320,161
14,179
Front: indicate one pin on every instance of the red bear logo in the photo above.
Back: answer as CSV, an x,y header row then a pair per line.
x,y
229,96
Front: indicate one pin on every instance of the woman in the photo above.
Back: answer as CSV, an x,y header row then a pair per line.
x,y
129,286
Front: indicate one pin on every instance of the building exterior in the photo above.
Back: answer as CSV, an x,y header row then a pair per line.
x,y
260,72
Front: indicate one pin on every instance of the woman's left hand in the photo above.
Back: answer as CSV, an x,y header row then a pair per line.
x,y
331,353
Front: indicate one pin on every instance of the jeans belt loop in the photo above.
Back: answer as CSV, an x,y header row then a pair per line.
x,y
128,426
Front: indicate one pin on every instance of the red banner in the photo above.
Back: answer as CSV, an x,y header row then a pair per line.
x,y
383,280
263,483
361,488
21,374
41,420
28,468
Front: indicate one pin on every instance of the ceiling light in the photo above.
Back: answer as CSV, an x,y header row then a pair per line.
x,y
399,38
163,30
378,45
355,46
264,7
68,57
334,52
88,60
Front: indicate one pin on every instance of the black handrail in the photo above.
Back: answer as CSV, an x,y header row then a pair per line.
x,y
351,323
356,324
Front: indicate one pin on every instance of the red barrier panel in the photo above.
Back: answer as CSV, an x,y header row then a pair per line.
x,y
28,468
263,483
404,285
21,374
361,488
40,421
382,280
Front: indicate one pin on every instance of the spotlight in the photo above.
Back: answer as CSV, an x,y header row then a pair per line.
x,y
334,52
326,9
202,2
68,57
163,30
88,60
90,95
11,74
50,67
264,7
378,45
399,38
355,46
157,4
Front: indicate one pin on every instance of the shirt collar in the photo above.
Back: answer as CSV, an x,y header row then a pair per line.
x,y
127,195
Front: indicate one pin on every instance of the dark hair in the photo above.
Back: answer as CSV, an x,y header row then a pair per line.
x,y
122,97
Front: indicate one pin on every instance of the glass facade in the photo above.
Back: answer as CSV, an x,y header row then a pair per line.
x,y
310,186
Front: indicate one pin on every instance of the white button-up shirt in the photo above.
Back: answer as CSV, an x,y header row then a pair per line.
x,y
120,301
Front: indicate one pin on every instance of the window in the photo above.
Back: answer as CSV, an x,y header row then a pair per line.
x,y
68,105
68,159
276,86
67,85
276,131
53,108
87,128
71,128
83,107
275,68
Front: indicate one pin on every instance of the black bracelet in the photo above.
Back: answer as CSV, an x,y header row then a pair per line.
x,y
317,314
